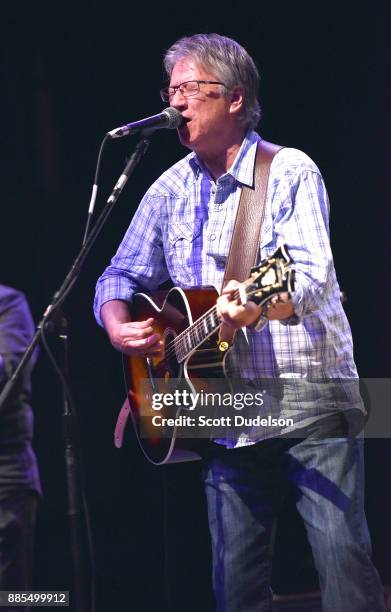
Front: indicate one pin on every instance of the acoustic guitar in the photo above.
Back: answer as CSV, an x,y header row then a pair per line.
x,y
193,354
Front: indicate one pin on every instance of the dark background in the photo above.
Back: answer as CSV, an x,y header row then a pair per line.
x,y
73,72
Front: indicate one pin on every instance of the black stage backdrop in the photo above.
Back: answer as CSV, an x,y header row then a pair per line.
x,y
72,72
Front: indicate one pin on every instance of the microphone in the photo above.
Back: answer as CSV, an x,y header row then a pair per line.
x,y
169,118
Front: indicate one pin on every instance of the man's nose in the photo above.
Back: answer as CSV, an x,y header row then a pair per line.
x,y
178,100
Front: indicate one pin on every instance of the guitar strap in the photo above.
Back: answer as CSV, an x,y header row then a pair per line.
x,y
249,217
122,419
246,234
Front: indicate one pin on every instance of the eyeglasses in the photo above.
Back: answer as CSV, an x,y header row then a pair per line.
x,y
187,89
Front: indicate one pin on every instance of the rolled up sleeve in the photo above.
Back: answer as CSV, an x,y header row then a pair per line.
x,y
302,222
139,263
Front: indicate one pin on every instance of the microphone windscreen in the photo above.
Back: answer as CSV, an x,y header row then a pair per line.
x,y
175,119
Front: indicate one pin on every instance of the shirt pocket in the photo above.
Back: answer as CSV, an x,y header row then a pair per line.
x,y
183,251
182,230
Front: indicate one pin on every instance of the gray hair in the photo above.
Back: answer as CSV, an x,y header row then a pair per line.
x,y
227,61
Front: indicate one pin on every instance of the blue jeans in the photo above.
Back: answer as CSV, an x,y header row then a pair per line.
x,y
245,487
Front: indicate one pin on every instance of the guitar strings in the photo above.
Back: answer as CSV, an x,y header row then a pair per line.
x,y
177,346
191,332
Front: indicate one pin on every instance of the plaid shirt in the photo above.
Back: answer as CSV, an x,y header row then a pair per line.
x,y
182,230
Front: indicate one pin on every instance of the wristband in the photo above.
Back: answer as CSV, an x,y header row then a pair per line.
x,y
262,319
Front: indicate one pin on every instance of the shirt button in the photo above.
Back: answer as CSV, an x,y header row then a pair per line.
x,y
213,236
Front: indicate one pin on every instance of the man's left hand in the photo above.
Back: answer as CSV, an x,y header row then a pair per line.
x,y
236,315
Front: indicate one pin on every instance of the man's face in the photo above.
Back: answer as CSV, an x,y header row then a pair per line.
x,y
207,113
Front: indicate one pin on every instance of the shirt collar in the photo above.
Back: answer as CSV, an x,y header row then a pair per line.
x,y
242,168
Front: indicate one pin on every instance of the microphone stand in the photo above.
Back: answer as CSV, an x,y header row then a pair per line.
x,y
83,599
71,459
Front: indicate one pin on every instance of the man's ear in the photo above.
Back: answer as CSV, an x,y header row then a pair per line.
x,y
237,99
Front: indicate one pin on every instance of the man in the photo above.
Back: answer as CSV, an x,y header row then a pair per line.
x,y
19,479
182,231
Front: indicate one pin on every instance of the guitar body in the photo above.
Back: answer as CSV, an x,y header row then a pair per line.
x,y
173,315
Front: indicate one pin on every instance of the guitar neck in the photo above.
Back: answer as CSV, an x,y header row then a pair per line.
x,y
192,337
269,278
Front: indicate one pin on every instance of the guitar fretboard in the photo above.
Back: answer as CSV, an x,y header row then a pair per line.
x,y
196,334
269,278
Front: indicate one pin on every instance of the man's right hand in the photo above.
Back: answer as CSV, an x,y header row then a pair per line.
x,y
130,337
136,338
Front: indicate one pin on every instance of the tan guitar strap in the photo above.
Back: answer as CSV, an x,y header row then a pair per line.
x,y
244,247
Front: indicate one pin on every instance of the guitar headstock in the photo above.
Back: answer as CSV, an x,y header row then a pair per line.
x,y
271,277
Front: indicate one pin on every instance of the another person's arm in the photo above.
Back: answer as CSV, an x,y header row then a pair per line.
x,y
16,331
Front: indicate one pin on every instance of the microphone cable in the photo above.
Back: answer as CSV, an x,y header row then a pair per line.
x,y
166,539
80,472
94,192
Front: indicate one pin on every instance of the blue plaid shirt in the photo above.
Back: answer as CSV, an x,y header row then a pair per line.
x,y
182,230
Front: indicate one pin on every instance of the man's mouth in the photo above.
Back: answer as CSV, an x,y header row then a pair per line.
x,y
185,122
